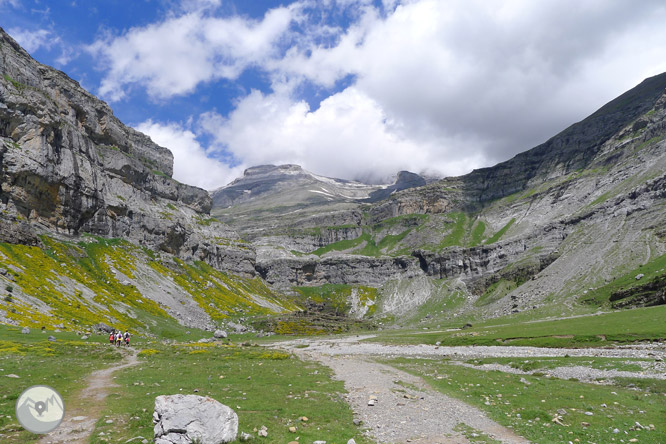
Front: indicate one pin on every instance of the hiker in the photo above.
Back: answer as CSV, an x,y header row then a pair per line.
x,y
127,338
119,338
112,337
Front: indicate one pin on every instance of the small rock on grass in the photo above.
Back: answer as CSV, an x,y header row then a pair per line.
x,y
25,330
351,441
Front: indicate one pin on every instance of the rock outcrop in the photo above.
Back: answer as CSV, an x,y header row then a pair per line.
x,y
183,419
68,166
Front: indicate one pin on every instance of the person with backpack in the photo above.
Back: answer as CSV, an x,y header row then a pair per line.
x,y
112,337
119,338
127,338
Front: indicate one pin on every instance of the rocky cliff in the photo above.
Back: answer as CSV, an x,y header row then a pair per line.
x,y
68,166
90,216
572,214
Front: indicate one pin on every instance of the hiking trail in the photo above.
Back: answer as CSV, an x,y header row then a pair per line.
x,y
84,410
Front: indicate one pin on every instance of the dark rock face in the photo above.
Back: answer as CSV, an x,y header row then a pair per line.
x,y
337,270
404,181
572,149
647,295
68,166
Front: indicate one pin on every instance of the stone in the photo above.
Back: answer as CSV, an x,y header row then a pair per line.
x,y
220,334
351,441
84,337
52,339
25,330
640,276
293,429
181,419
319,442
12,375
244,437
102,327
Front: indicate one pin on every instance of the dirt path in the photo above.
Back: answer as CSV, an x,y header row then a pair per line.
x,y
405,409
83,412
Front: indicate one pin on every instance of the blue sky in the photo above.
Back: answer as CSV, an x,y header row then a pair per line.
x,y
356,89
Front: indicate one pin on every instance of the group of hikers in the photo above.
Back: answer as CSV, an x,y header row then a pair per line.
x,y
118,338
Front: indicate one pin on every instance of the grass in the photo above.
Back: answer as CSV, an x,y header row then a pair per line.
x,y
530,409
63,365
265,387
83,283
543,363
457,233
653,269
619,327
339,296
495,237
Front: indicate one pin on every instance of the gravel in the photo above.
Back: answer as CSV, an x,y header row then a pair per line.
x,y
411,412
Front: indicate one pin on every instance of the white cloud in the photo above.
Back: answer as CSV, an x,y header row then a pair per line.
x,y
30,40
440,86
509,74
191,164
173,57
348,136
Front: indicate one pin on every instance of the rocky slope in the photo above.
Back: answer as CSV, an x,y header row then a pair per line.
x,y
93,228
71,176
543,230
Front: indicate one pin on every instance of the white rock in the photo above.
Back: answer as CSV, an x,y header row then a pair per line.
x,y
220,334
181,419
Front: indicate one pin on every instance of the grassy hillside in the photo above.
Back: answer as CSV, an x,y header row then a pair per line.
x,y
79,284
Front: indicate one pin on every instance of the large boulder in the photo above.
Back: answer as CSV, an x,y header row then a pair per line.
x,y
182,419
220,334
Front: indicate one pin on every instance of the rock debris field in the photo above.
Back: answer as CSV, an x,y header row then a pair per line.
x,y
397,407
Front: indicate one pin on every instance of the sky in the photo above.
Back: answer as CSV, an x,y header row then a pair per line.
x,y
353,89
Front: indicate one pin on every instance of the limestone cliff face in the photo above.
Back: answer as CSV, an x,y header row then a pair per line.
x,y
68,166
548,225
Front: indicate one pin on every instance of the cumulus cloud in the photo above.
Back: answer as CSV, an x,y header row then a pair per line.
x,y
348,136
427,85
32,40
174,56
191,163
509,74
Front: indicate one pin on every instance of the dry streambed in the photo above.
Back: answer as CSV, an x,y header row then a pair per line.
x,y
397,407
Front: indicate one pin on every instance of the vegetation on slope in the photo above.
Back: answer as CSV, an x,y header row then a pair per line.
x,y
79,284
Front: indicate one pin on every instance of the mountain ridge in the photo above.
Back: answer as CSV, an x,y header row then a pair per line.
x,y
94,229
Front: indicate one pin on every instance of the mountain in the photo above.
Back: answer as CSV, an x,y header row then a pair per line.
x,y
559,224
93,228
290,193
